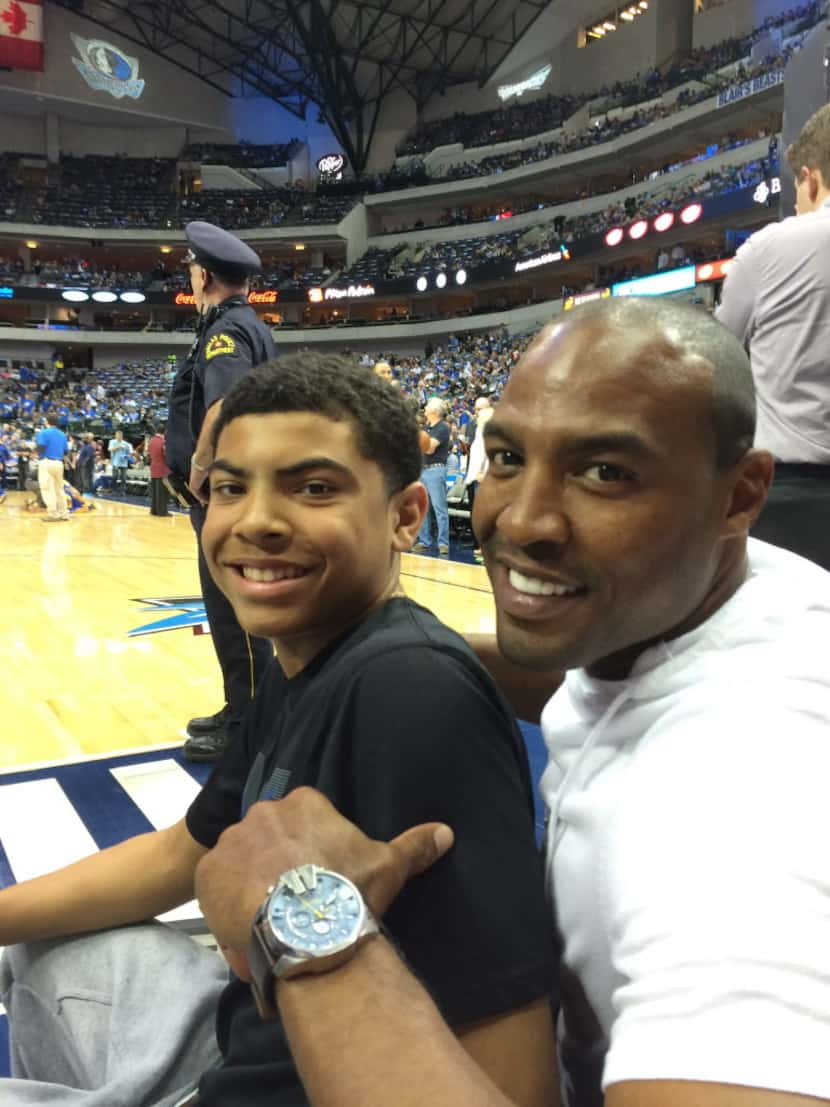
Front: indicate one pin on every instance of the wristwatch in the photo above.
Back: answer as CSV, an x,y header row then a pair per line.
x,y
311,921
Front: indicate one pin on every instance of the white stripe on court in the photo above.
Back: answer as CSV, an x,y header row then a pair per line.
x,y
163,791
40,830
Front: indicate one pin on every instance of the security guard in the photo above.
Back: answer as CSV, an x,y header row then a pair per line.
x,y
230,339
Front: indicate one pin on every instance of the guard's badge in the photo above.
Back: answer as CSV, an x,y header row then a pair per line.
x,y
220,344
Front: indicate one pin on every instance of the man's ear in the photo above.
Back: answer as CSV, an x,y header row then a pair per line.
x,y
409,506
813,179
751,480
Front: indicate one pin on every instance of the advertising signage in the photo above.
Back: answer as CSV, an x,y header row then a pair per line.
x,y
713,270
657,284
332,295
580,298
264,296
749,88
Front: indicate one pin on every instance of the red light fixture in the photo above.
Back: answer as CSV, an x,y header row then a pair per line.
x,y
664,222
638,229
691,213
614,236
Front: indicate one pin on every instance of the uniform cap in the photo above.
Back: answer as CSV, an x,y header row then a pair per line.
x,y
217,249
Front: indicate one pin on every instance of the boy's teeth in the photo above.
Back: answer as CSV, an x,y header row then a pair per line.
x,y
533,586
267,576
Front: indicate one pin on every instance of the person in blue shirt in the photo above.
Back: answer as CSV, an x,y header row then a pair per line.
x,y
5,458
52,446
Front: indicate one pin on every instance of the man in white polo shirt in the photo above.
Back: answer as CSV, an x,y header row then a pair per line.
x,y
776,299
689,751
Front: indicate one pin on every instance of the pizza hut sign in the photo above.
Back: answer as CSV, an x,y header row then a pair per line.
x,y
331,165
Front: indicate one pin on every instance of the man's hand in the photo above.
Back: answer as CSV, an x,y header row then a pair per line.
x,y
196,484
277,835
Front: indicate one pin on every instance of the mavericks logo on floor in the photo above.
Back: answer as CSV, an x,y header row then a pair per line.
x,y
190,613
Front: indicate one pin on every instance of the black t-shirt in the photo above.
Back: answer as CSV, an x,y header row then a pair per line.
x,y
441,432
397,723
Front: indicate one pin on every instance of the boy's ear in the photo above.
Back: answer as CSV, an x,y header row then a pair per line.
x,y
409,506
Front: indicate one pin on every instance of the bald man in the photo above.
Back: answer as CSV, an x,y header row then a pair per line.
x,y
686,847
383,370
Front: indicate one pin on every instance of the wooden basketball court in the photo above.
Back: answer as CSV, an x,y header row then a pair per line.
x,y
82,680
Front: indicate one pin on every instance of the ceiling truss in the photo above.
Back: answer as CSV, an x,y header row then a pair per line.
x,y
345,56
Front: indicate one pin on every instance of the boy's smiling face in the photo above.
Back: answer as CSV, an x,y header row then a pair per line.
x,y
301,533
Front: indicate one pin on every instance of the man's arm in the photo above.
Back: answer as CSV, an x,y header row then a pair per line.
x,y
203,453
692,1093
740,294
130,882
526,691
390,1041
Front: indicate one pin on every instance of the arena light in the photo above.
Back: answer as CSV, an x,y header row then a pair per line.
x,y
664,222
31,244
638,230
75,295
441,280
104,296
609,26
614,236
691,213
133,297
461,276
166,249
422,284
627,16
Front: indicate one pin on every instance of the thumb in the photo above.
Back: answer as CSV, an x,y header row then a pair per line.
x,y
420,847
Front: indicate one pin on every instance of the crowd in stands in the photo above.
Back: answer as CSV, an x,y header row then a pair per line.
x,y
119,396
242,155
524,120
98,192
273,275
235,208
606,128
461,214
410,260
465,367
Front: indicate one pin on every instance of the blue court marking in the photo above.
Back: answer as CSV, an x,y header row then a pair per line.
x,y
103,806
6,874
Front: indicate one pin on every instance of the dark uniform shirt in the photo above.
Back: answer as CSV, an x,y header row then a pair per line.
x,y
230,341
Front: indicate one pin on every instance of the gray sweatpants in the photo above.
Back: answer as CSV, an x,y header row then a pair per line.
x,y
124,1018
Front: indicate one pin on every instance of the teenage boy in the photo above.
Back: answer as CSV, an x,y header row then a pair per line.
x,y
314,493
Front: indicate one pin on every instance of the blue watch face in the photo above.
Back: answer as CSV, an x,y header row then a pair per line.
x,y
316,919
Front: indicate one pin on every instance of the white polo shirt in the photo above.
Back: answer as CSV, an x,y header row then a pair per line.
x,y
688,842
776,299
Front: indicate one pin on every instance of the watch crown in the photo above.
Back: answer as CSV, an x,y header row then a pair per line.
x,y
301,879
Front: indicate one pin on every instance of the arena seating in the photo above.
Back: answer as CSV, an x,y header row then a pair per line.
x,y
407,260
525,120
241,155
602,129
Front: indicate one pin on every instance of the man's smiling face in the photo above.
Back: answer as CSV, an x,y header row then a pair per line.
x,y
601,512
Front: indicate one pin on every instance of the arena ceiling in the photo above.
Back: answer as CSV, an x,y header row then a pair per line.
x,y
346,56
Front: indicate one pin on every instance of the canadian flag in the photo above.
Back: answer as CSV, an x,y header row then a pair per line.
x,y
21,34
